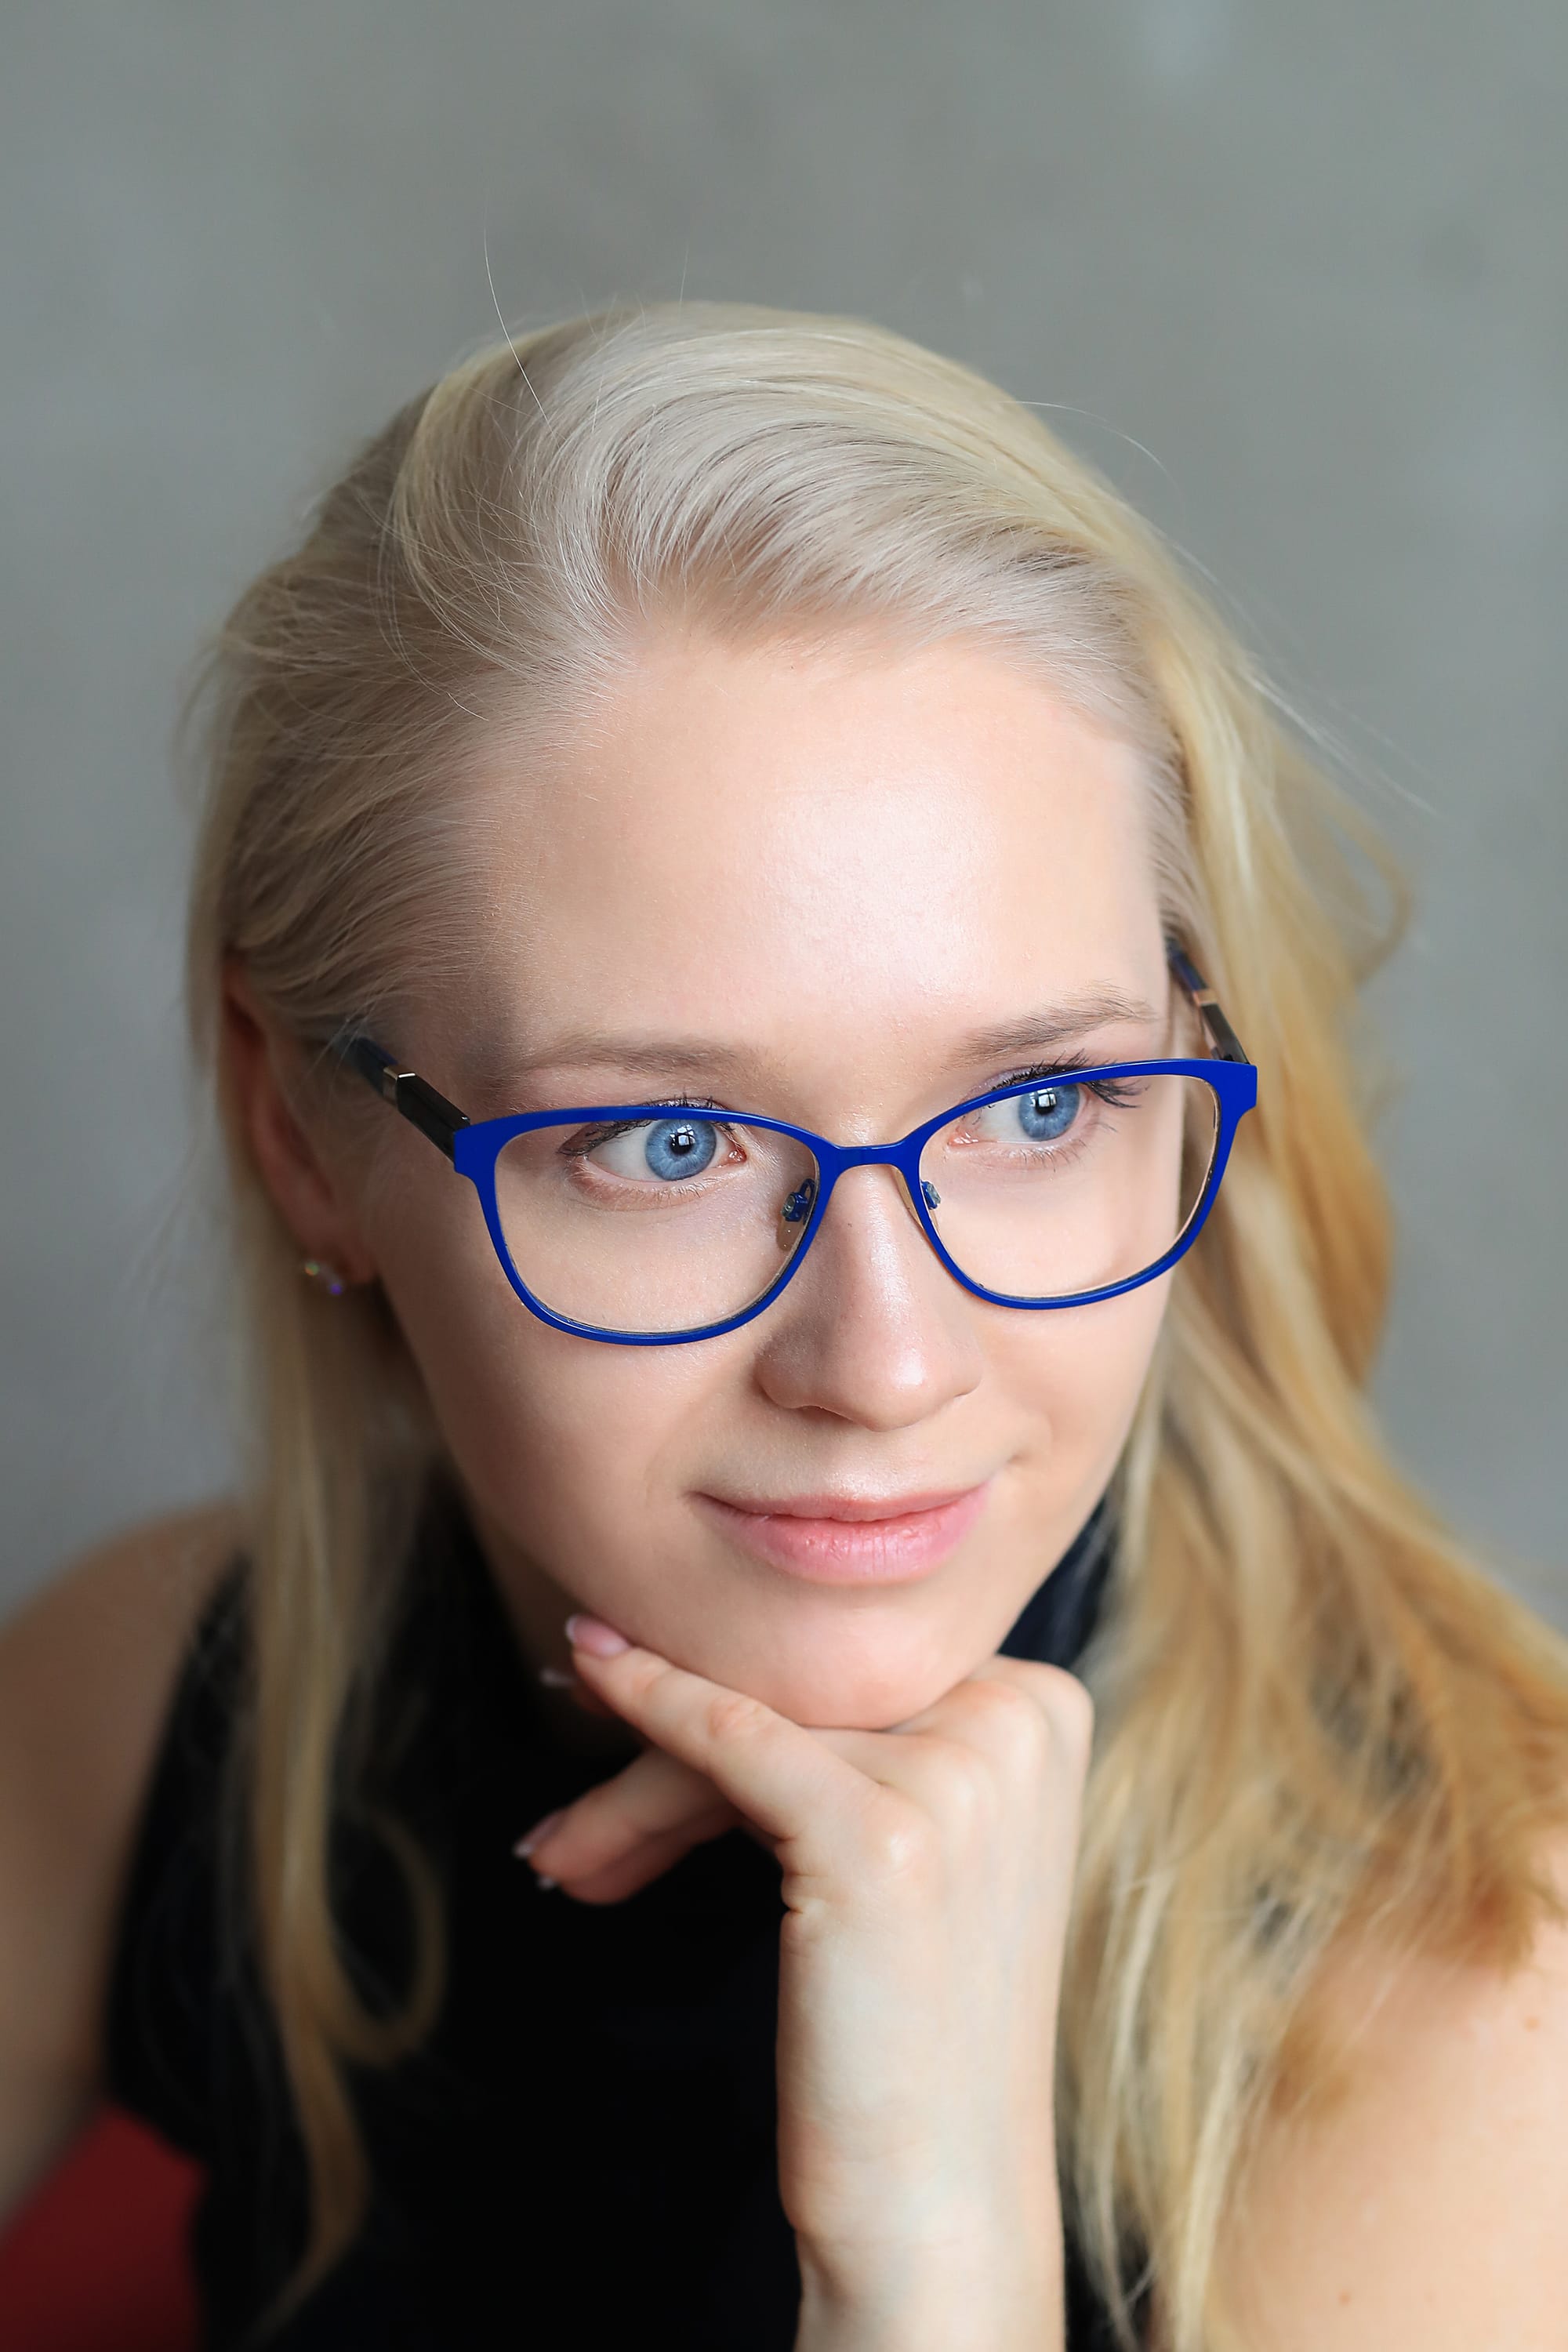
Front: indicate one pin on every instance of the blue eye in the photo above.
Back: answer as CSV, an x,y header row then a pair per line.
x,y
680,1146
1046,1114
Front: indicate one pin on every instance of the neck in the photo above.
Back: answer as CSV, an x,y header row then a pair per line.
x,y
537,1609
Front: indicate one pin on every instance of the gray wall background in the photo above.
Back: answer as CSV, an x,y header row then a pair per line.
x,y
1293,276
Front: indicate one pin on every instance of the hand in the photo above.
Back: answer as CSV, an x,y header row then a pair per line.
x,y
927,1871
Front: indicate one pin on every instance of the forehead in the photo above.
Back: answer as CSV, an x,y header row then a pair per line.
x,y
788,843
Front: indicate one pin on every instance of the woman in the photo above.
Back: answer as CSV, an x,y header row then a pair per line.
x,y
784,836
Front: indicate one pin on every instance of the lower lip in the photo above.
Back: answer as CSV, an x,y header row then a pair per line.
x,y
854,1551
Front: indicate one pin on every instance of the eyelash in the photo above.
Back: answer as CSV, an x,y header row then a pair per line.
x,y
1063,1068
1113,1091
590,1138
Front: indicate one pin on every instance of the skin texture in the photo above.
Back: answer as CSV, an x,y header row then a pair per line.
x,y
836,871
1429,2206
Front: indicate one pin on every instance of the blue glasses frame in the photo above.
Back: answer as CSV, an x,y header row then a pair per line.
x,y
473,1146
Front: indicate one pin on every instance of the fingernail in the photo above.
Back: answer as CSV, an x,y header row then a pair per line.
x,y
538,1834
556,1677
544,1885
599,1640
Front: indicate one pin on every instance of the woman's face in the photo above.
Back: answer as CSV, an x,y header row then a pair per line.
x,y
804,887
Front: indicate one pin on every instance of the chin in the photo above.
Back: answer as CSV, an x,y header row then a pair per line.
x,y
846,1695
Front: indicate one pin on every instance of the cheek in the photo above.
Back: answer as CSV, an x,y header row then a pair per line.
x,y
561,1441
1078,1373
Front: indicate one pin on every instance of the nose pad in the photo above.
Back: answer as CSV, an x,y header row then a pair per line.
x,y
795,1216
929,1191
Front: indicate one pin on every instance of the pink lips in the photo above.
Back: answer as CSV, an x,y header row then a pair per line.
x,y
846,1544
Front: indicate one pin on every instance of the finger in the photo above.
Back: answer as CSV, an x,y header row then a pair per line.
x,y
656,1808
1005,1699
780,1775
627,1874
997,1714
1012,1733
639,1868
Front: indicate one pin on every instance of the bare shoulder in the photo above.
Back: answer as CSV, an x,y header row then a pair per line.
x,y
1429,2203
87,1663
87,1670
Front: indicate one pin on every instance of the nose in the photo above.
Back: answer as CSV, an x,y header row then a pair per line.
x,y
872,1329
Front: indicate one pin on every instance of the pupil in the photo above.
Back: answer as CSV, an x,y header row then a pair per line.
x,y
1049,1114
680,1146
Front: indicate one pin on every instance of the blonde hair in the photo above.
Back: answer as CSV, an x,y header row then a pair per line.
x,y
1315,1719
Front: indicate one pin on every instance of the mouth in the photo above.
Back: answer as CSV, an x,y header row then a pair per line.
x,y
851,1539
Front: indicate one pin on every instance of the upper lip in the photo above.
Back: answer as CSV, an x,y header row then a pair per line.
x,y
847,1507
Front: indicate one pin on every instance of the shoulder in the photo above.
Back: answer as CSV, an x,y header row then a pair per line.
x,y
1428,2202
86,1665
86,1671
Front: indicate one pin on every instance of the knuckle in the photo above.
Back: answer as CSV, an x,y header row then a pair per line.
x,y
1074,1699
1012,1727
1072,1705
732,1715
967,1790
1034,1716
1053,1687
1013,1713
900,1845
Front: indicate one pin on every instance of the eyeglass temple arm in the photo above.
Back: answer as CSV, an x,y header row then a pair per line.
x,y
434,1116
405,1090
1226,1044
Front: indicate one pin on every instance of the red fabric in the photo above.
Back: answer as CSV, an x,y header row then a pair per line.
x,y
96,2262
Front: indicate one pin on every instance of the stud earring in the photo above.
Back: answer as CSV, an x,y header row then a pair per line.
x,y
326,1278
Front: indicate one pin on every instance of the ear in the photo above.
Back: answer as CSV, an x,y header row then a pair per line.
x,y
308,1197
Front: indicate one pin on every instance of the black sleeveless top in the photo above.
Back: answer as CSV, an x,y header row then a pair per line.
x,y
582,2151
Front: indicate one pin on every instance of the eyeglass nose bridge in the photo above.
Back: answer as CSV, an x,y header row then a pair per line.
x,y
835,1161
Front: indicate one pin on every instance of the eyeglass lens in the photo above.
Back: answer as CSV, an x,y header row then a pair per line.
x,y
666,1224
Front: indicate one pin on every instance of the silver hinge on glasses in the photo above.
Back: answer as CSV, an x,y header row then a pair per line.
x,y
405,1090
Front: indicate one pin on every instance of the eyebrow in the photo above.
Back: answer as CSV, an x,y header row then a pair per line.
x,y
1038,1032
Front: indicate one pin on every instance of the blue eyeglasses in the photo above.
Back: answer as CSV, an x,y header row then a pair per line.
x,y
651,1224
